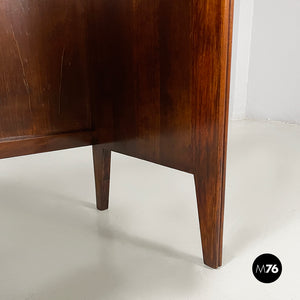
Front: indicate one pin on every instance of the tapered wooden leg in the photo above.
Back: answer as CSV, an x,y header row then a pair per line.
x,y
102,158
211,210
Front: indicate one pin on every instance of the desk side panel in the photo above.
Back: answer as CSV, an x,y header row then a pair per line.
x,y
160,79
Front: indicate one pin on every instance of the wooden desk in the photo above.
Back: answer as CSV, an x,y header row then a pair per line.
x,y
147,78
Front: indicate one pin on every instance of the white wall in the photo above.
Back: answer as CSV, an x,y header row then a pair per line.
x,y
274,73
242,30
266,60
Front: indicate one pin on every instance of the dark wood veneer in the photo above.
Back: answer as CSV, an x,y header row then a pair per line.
x,y
43,67
147,78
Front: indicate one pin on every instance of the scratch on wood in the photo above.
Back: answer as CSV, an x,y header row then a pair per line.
x,y
22,6
23,68
6,85
61,79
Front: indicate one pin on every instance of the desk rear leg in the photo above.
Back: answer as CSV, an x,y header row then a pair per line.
x,y
102,161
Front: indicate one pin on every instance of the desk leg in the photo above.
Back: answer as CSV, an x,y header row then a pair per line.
x,y
102,159
211,211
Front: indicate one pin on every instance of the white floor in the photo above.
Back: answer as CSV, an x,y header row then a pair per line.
x,y
55,245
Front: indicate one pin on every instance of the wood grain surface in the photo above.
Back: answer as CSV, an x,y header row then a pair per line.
x,y
147,78
163,89
43,67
